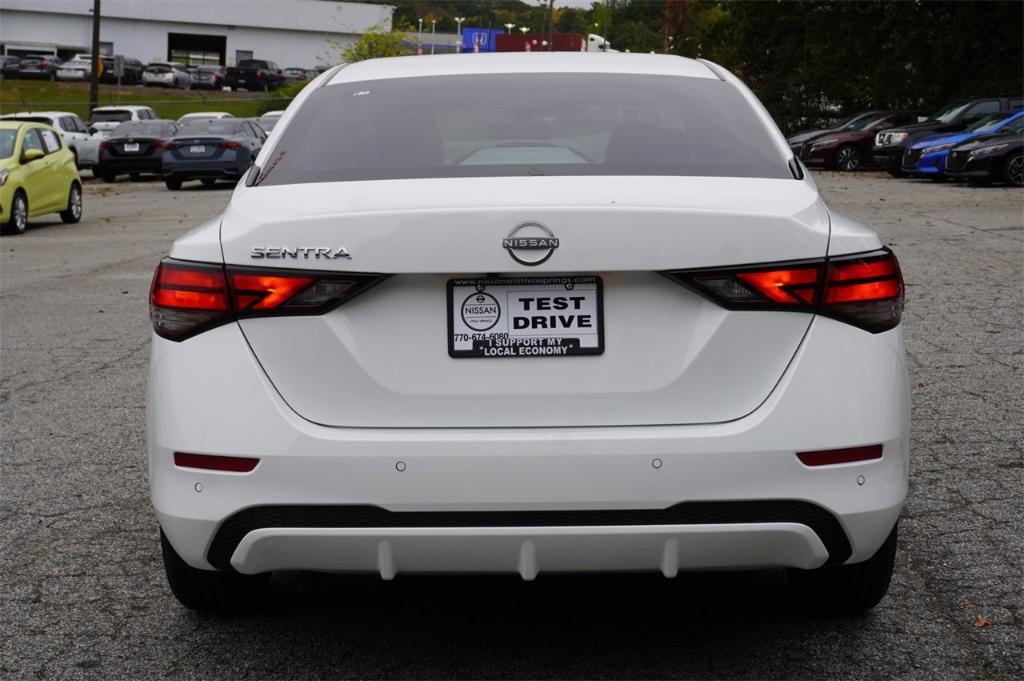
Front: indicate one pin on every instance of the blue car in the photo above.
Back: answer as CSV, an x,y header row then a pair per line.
x,y
927,156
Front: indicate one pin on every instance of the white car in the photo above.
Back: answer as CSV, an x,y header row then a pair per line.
x,y
72,129
167,74
597,320
78,67
103,119
197,115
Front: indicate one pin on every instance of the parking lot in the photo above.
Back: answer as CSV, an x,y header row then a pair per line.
x,y
82,590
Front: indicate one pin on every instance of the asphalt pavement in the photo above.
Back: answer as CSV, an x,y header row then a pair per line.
x,y
82,591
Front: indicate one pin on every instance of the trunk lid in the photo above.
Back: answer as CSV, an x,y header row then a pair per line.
x,y
670,356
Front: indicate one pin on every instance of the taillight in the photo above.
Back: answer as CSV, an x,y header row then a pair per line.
x,y
106,145
229,145
189,298
865,290
260,74
186,298
166,145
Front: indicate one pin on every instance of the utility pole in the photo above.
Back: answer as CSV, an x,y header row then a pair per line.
x,y
94,76
551,25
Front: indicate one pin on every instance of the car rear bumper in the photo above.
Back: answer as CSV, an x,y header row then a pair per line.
x,y
200,169
147,164
529,500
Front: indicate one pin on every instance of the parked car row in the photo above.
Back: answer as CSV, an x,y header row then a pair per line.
x,y
194,148
41,151
249,74
30,67
979,140
116,141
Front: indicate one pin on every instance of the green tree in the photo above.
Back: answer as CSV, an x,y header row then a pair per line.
x,y
375,43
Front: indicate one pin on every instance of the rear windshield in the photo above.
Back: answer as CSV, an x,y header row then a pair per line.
x,y
525,124
7,139
218,126
140,128
111,115
157,69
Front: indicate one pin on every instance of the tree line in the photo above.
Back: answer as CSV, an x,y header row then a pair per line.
x,y
810,61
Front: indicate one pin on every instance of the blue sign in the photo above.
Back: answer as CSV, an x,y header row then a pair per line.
x,y
479,39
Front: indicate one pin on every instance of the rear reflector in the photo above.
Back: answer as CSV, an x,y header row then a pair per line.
x,y
231,464
827,457
865,290
187,298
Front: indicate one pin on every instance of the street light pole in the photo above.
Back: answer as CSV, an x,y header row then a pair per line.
x,y
94,76
419,38
458,21
433,34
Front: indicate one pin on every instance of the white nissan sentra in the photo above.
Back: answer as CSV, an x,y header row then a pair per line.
x,y
528,313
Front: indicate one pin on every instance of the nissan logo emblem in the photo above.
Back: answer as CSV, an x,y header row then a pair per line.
x,y
530,243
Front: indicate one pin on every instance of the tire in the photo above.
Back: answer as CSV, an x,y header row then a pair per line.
x,y
848,589
108,176
848,158
212,591
1013,170
895,173
134,177
73,213
18,222
173,183
209,182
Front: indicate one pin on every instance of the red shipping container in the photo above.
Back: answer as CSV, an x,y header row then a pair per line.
x,y
560,42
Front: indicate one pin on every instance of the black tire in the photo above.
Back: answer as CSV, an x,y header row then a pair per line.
x,y
895,173
108,176
173,183
212,591
209,182
848,158
848,589
73,213
1013,170
18,222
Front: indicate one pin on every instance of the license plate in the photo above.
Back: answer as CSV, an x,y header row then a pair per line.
x,y
525,317
197,149
131,147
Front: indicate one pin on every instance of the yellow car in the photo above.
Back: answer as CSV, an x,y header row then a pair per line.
x,y
37,176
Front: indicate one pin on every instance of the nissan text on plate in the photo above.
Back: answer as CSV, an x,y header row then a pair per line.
x,y
596,318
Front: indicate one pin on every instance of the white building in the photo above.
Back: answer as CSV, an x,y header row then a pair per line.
x,y
304,33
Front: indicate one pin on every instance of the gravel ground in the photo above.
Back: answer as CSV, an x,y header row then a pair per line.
x,y
82,586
